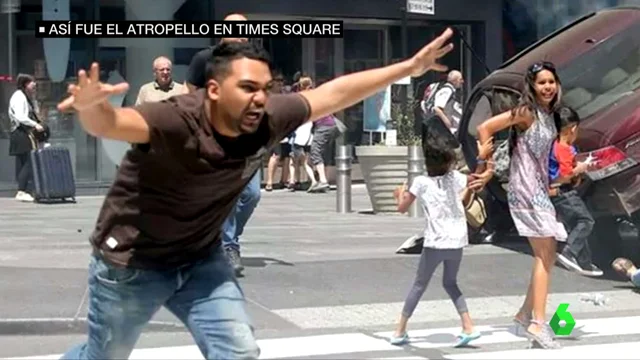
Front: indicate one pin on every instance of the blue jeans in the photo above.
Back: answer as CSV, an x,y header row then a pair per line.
x,y
204,295
233,227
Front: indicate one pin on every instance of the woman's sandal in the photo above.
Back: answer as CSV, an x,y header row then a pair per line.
x,y
465,339
544,338
399,340
521,324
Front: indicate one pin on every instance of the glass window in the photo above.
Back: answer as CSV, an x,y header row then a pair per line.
x,y
363,49
286,54
325,56
603,75
27,55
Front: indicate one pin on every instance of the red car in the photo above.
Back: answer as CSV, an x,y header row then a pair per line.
x,y
598,61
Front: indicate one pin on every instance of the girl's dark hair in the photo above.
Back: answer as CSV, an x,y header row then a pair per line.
x,y
528,98
438,156
22,80
565,116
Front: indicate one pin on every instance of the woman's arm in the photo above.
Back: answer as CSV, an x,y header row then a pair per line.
x,y
521,118
466,196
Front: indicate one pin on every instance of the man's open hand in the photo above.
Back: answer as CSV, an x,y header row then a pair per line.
x,y
427,58
89,91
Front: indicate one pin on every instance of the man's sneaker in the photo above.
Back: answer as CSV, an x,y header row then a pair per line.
x,y
569,261
591,270
235,260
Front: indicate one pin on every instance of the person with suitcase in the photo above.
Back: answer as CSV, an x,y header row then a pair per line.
x,y
26,131
157,239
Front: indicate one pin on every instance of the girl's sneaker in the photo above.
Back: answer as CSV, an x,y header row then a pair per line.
x,y
399,340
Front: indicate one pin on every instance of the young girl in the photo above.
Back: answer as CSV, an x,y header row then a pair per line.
x,y
443,193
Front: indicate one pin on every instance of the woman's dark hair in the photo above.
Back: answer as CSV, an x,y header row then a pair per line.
x,y
565,116
22,80
438,156
528,99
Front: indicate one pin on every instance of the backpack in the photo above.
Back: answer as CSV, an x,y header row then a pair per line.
x,y
429,96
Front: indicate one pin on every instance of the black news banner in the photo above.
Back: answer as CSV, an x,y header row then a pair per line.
x,y
177,29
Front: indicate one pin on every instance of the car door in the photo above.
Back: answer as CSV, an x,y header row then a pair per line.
x,y
483,104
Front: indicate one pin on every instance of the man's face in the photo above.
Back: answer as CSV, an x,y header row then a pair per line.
x,y
162,72
242,95
458,82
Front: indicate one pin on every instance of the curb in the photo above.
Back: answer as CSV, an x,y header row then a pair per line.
x,y
57,326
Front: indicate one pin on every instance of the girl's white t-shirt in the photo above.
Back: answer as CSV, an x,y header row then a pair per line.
x,y
441,199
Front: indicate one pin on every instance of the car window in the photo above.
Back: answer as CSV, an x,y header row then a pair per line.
x,y
481,112
492,103
603,75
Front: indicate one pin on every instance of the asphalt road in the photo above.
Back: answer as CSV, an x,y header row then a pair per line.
x,y
318,284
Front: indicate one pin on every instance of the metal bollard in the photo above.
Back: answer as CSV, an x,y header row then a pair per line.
x,y
415,168
343,179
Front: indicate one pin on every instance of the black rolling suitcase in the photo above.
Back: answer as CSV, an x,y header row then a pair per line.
x,y
53,174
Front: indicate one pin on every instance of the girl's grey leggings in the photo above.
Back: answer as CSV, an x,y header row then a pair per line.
x,y
429,261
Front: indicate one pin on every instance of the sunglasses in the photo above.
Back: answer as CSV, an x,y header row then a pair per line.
x,y
543,65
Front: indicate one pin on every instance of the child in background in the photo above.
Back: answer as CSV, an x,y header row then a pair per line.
x,y
444,193
564,176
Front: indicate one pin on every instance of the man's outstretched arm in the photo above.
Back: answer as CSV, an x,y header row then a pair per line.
x,y
348,90
124,124
146,123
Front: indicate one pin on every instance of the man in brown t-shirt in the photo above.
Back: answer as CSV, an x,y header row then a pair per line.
x,y
157,237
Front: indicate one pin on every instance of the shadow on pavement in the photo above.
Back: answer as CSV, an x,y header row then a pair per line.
x,y
260,262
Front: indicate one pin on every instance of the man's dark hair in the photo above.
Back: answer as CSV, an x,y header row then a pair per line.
x,y
225,53
438,155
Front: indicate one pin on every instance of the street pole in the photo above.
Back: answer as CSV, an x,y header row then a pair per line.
x,y
343,179
10,7
405,54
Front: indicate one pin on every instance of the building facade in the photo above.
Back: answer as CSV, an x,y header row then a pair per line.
x,y
494,29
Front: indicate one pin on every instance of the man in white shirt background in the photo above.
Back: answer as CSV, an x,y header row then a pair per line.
x,y
445,103
163,86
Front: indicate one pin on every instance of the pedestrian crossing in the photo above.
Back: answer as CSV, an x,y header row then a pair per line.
x,y
621,335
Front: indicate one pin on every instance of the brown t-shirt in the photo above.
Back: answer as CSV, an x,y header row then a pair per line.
x,y
171,196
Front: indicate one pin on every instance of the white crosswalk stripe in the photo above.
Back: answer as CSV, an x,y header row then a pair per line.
x,y
580,346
